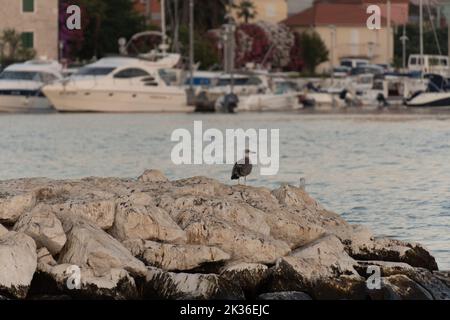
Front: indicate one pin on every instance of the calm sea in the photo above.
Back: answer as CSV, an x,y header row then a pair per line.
x,y
390,172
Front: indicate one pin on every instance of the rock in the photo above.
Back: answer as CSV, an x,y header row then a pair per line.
x,y
322,269
203,240
101,212
437,286
242,244
181,257
184,286
400,287
90,247
3,230
43,226
287,295
153,176
394,251
58,280
249,276
292,196
13,206
18,261
45,257
147,222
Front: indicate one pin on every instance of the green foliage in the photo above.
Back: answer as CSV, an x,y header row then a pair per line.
x,y
413,44
12,49
107,21
205,52
246,9
314,50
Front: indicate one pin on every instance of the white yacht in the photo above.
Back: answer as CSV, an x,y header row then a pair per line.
x,y
122,84
21,85
282,95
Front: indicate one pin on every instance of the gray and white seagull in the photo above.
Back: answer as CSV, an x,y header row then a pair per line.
x,y
242,168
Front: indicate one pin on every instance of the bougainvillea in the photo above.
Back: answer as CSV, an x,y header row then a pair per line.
x,y
269,45
252,45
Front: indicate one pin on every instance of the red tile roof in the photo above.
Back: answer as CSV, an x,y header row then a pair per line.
x,y
344,13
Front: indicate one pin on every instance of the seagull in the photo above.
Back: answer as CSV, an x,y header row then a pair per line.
x,y
242,168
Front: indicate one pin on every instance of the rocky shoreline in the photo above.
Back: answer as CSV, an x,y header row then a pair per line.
x,y
151,238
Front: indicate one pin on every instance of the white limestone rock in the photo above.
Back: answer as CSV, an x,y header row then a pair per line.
x,y
44,227
18,262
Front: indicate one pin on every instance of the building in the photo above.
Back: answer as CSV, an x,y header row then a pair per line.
x,y
273,11
296,6
151,9
342,25
37,21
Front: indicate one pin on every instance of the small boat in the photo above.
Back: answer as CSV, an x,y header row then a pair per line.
x,y
281,95
21,85
437,94
122,85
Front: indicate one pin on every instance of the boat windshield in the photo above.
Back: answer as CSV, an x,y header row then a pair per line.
x,y
94,71
21,75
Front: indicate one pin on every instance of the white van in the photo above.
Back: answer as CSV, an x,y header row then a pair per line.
x,y
429,64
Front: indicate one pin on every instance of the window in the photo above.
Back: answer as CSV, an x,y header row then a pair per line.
x,y
28,40
131,73
27,5
94,71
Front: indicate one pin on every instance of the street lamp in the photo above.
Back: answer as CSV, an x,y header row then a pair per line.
x,y
333,41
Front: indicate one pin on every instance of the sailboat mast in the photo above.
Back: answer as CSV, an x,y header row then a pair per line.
x,y
163,27
421,37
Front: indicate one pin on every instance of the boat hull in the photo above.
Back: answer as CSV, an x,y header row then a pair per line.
x,y
430,100
117,101
11,103
269,102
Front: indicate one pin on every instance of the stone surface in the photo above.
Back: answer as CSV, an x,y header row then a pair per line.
x,y
153,176
322,269
44,227
18,262
12,206
90,247
395,251
146,222
184,286
3,230
249,276
287,295
180,257
201,239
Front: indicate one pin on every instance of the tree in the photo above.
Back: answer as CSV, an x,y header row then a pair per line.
x,y
246,9
413,43
314,50
12,48
206,54
106,22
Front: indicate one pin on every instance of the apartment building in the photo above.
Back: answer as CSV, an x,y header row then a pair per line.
x,y
36,21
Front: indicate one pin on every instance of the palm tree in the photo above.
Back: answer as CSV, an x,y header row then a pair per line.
x,y
11,39
246,9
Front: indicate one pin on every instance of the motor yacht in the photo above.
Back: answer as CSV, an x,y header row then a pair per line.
x,y
122,85
21,85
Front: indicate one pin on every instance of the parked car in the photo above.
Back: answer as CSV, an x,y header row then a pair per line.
x,y
341,72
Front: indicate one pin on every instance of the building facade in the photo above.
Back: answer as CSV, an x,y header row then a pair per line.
x,y
296,6
342,25
36,21
273,11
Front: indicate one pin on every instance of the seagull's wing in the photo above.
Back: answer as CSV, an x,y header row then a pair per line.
x,y
235,172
